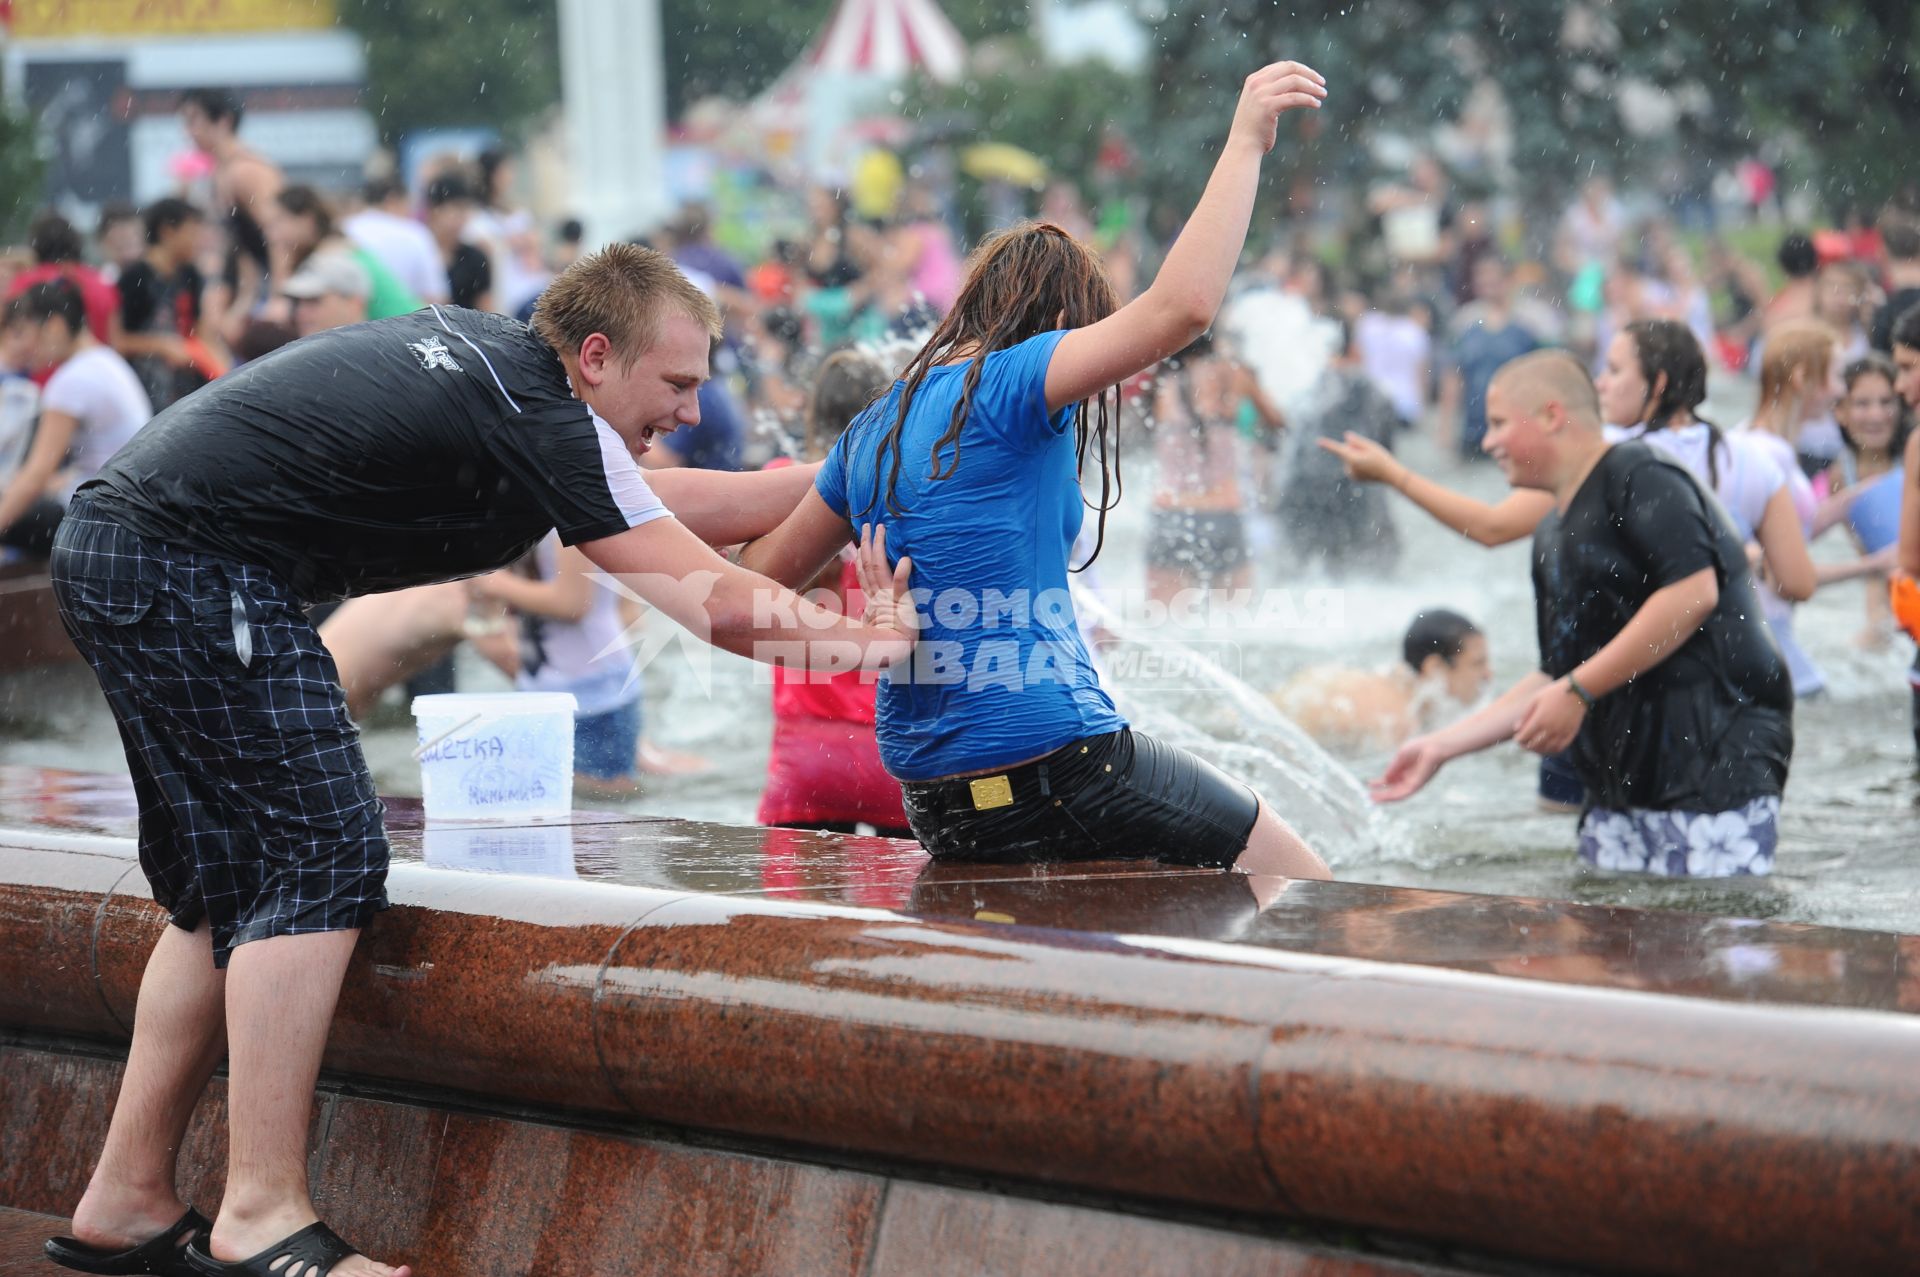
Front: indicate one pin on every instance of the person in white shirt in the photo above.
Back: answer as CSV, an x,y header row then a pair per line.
x,y
91,406
508,235
402,243
19,396
1396,348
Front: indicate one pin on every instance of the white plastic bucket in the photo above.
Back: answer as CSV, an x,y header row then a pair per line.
x,y
507,756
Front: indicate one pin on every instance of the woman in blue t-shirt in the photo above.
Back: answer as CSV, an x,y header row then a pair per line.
x,y
1007,746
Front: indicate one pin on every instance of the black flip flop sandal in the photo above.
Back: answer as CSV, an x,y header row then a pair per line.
x,y
311,1252
164,1255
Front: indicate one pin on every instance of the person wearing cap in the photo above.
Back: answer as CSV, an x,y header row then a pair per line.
x,y
330,291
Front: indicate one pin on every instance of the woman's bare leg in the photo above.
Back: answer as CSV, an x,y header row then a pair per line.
x,y
1273,848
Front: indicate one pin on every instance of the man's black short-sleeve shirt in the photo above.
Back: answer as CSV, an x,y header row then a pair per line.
x,y
1710,726
401,452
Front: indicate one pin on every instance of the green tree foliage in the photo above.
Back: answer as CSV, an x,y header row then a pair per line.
x,y
21,171
1838,79
1841,78
436,63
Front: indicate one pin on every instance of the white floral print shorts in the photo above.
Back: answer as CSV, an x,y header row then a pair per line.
x,y
1683,844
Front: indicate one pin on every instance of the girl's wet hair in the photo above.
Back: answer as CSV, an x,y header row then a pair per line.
x,y
1798,354
1436,632
846,384
1875,364
1026,280
1667,348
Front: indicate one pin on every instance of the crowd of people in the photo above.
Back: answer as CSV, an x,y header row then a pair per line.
x,y
1271,437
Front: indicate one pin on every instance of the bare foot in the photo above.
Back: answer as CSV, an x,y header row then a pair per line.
x,y
115,1219
233,1240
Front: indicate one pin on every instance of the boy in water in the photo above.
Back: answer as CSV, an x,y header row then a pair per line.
x,y
1655,665
1445,659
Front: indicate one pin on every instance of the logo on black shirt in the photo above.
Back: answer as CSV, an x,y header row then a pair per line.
x,y
433,354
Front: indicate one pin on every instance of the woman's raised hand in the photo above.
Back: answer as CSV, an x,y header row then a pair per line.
x,y
1271,92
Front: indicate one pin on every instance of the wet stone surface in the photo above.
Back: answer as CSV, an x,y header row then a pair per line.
x,y
1731,959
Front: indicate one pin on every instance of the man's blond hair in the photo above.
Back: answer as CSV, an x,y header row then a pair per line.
x,y
624,292
1550,376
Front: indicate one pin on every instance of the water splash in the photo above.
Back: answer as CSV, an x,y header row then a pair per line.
x,y
1219,717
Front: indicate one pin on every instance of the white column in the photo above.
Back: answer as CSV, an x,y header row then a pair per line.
x,y
613,72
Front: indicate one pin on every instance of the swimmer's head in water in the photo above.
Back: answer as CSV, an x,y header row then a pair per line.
x,y
1447,646
1021,282
1534,403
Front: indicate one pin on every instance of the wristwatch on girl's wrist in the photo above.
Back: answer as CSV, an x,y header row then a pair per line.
x,y
1573,685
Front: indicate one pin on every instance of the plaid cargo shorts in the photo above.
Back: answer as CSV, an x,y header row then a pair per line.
x,y
257,812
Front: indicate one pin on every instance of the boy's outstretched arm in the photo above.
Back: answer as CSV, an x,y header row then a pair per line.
x,y
1514,516
1420,758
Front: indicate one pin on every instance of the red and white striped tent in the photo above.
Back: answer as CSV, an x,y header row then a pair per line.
x,y
888,39
865,43
869,40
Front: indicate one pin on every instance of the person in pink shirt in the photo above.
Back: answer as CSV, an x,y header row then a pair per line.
x,y
824,770
925,250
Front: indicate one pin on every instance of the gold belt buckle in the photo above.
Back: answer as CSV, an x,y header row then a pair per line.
x,y
990,792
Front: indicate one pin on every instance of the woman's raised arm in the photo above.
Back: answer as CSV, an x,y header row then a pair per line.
x,y
1185,295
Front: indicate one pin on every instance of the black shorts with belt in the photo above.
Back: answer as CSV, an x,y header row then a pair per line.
x,y
257,812
1121,796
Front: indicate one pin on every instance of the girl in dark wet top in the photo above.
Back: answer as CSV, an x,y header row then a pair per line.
x,y
1654,664
971,466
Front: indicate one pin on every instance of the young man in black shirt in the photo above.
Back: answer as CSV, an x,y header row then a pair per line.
x,y
413,450
1654,664
469,273
160,304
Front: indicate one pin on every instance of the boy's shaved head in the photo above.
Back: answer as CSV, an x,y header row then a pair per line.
x,y
1532,381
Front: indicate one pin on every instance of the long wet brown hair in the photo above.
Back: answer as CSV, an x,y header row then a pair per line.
x,y
1026,280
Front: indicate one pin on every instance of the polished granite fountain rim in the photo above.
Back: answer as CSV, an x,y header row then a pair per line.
x,y
1422,1063
613,866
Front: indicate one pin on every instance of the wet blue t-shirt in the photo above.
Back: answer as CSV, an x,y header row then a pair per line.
x,y
1000,673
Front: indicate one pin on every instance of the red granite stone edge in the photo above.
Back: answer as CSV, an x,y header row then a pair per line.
x,y
50,903
1555,1123
1573,1126
1070,1058
1665,1134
